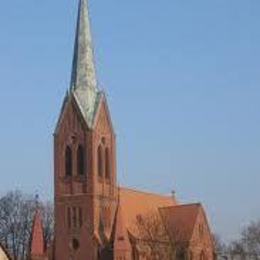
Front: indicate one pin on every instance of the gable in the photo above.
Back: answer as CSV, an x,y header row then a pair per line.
x,y
180,221
201,232
70,117
102,122
137,203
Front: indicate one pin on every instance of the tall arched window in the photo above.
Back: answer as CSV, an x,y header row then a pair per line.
x,y
108,170
100,161
190,255
81,160
202,255
180,254
68,161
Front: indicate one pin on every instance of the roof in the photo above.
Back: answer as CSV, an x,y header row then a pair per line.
x,y
83,77
135,203
83,68
180,220
37,239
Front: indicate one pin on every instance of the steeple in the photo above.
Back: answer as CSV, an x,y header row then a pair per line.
x,y
83,68
83,79
37,239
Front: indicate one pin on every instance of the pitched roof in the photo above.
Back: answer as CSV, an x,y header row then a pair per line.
x,y
37,239
83,77
180,220
83,68
135,203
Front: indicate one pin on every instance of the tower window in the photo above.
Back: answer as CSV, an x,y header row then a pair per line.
x,y
74,217
202,255
80,217
69,217
108,170
81,160
75,244
100,161
68,161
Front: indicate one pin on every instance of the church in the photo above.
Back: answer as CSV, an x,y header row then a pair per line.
x,y
94,217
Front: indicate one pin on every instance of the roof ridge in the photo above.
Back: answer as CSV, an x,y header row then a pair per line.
x,y
145,192
182,205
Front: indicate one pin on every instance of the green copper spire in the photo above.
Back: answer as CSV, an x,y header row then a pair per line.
x,y
83,70
83,79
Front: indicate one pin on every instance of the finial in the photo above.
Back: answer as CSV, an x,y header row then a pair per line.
x,y
37,200
173,192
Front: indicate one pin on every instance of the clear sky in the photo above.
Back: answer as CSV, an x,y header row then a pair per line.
x,y
183,84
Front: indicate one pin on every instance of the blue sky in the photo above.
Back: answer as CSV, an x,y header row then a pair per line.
x,y
183,84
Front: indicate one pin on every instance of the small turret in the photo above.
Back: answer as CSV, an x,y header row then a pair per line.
x,y
37,248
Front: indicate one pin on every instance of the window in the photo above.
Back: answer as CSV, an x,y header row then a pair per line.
x,y
202,255
100,161
190,255
74,217
68,161
107,164
69,217
75,244
181,254
81,160
80,217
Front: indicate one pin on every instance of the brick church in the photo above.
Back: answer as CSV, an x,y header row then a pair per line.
x,y
94,217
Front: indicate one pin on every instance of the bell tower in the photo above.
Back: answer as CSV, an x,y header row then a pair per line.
x,y
84,158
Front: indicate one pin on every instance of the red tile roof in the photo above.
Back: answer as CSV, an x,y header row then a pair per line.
x,y
135,203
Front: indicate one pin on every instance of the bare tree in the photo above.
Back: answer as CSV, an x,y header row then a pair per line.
x,y
155,237
220,246
248,245
47,211
251,239
16,218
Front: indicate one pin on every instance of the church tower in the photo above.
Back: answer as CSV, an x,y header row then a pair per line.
x,y
84,158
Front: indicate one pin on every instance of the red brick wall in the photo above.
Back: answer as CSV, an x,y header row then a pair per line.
x,y
202,239
86,194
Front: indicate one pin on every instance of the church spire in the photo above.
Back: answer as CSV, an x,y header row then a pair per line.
x,y
83,69
37,238
83,79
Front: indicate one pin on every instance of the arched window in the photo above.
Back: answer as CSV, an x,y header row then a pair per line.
x,y
108,170
68,161
80,217
190,255
100,161
180,254
202,255
69,217
81,160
